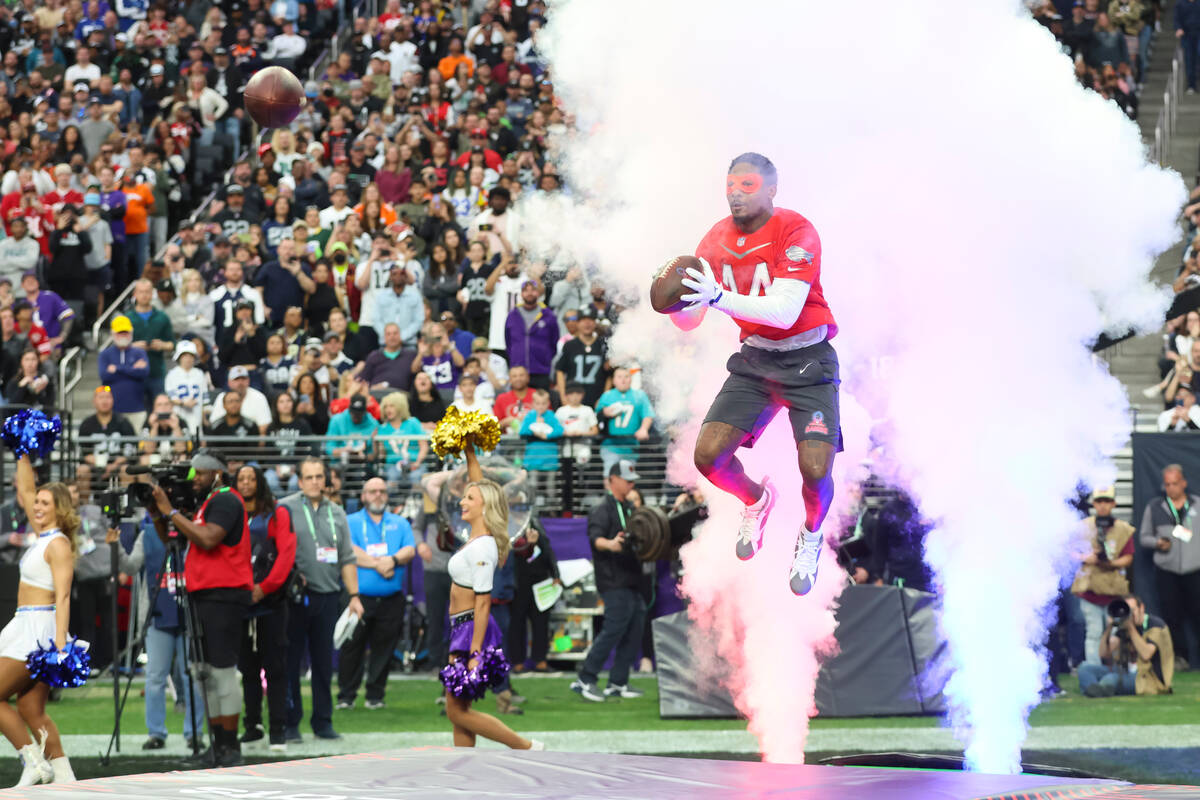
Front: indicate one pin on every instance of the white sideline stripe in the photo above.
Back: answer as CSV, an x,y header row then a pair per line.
x,y
1063,737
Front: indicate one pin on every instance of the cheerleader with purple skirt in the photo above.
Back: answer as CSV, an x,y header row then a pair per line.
x,y
476,660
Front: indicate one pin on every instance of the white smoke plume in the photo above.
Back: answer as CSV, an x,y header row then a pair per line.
x,y
982,217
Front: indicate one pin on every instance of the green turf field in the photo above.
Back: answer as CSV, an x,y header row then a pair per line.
x,y
1151,739
410,707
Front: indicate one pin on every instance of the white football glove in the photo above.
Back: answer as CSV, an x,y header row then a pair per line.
x,y
705,290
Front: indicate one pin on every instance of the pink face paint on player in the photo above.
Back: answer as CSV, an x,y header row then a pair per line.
x,y
744,182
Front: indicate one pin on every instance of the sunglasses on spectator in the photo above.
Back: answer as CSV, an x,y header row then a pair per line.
x,y
571,318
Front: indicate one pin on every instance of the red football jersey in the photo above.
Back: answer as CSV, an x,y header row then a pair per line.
x,y
746,263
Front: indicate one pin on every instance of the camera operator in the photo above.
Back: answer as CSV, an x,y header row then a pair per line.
x,y
618,579
1136,650
219,580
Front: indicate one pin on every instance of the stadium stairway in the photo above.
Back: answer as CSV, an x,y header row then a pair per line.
x,y
1135,361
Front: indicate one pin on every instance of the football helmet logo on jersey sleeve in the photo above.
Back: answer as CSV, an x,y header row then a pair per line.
x,y
798,254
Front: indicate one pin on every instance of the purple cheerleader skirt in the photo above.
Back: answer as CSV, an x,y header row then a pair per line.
x,y
472,684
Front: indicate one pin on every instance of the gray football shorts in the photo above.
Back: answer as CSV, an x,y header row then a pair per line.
x,y
760,382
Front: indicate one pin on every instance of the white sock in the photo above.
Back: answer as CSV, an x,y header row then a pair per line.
x,y
62,770
758,504
809,536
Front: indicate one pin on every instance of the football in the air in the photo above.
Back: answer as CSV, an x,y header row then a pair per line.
x,y
273,97
667,287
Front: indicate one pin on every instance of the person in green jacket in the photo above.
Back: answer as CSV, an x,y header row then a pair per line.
x,y
153,333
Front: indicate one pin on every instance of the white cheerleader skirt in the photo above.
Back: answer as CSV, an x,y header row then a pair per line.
x,y
30,628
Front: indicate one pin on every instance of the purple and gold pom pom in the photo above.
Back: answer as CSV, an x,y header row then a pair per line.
x,y
31,432
472,684
67,669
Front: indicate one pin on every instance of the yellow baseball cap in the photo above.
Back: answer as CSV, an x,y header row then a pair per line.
x,y
121,324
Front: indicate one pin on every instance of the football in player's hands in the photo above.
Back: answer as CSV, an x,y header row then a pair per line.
x,y
667,287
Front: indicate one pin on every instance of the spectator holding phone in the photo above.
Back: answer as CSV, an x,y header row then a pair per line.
x,y
1184,416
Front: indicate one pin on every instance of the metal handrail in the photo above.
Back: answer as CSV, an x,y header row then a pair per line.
x,y
67,385
102,322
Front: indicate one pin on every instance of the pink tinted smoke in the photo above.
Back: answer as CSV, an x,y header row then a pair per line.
x,y
764,643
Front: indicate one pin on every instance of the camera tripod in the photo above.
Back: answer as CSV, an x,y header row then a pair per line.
x,y
171,578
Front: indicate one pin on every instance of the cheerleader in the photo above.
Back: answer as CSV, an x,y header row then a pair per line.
x,y
43,608
476,662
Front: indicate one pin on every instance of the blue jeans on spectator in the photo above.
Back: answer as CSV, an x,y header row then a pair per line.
x,y
1076,626
624,615
277,487
1191,46
310,627
138,252
1093,626
1143,58
1120,680
610,454
404,479
164,656
231,126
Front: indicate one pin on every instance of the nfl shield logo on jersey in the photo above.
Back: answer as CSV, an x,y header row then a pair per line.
x,y
798,254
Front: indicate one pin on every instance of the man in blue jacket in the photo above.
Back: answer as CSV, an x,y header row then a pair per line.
x,y
125,369
1187,29
531,335
165,642
383,546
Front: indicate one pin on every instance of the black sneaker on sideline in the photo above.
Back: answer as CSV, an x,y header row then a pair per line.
x,y
292,735
154,743
329,734
254,733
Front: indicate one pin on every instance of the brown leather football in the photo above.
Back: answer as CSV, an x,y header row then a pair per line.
x,y
667,287
273,97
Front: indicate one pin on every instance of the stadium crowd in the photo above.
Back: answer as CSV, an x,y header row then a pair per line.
x,y
327,289
309,302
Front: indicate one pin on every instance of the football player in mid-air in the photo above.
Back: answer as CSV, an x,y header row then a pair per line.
x,y
762,266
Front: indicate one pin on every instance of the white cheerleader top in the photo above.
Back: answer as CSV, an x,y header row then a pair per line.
x,y
35,570
474,565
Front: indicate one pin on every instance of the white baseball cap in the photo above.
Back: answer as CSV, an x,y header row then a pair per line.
x,y
185,346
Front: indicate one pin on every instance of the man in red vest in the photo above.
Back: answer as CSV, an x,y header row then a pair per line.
x,y
219,580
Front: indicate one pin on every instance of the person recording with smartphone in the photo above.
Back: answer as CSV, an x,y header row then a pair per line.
x,y
219,580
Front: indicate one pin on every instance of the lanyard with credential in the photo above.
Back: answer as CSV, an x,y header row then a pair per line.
x,y
312,529
620,512
1175,513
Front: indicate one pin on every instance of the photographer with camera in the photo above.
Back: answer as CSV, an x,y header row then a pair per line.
x,y
1136,651
1101,577
219,580
618,579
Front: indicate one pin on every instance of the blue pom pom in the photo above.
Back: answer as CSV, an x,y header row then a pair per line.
x,y
29,431
66,669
